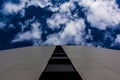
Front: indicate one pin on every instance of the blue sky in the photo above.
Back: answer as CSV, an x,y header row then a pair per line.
x,y
94,23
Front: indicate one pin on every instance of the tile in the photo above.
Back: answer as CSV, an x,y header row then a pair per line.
x,y
28,63
21,75
19,62
95,63
86,64
103,74
59,68
82,62
34,64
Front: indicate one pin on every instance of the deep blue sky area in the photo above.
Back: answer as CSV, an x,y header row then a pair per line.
x,y
118,2
59,22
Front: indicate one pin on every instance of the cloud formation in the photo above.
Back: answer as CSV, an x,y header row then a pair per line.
x,y
55,22
102,13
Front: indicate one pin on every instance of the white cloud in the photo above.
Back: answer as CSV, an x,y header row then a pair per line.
x,y
23,37
102,13
36,31
74,27
72,34
74,30
41,3
10,8
57,19
2,25
34,34
117,40
67,6
53,39
62,16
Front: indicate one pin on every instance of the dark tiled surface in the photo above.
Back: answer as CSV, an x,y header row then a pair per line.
x,y
59,67
59,61
59,55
